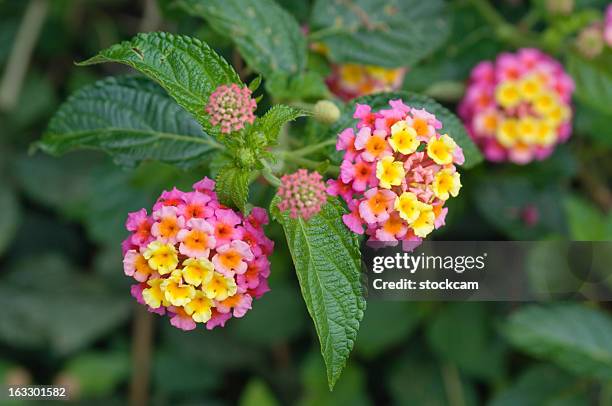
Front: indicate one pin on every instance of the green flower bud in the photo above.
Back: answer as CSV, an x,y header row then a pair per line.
x,y
326,112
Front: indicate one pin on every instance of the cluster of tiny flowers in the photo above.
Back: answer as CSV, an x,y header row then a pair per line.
x,y
592,39
397,173
230,107
302,194
350,80
518,107
195,260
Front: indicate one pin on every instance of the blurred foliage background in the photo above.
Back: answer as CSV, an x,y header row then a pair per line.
x,y
67,316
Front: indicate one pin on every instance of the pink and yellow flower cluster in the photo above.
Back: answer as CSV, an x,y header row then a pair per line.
x,y
518,108
397,174
351,80
195,260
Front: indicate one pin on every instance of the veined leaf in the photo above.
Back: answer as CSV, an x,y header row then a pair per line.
x,y
451,123
573,336
327,261
186,67
267,36
389,33
233,186
130,118
271,123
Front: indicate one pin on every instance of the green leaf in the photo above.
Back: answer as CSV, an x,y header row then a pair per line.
x,y
9,220
593,81
375,336
327,261
130,118
271,123
380,32
98,373
257,393
233,186
543,385
305,86
451,123
47,304
267,36
586,222
573,336
471,347
186,67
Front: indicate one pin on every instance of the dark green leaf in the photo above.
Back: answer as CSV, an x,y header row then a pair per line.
x,y
380,32
130,118
470,346
233,186
267,36
543,385
186,67
327,261
257,393
573,336
593,81
49,305
451,123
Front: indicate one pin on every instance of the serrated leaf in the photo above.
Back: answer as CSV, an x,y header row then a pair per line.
x,y
186,67
451,123
389,33
271,123
233,186
327,261
267,36
130,118
593,80
573,336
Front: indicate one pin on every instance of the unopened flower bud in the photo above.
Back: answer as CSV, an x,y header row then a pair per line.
x,y
561,7
326,112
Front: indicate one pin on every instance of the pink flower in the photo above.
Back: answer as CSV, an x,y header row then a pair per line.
x,y
302,194
346,142
226,227
195,205
372,146
203,263
517,108
400,196
231,107
197,240
376,205
167,224
240,303
232,258
140,224
362,174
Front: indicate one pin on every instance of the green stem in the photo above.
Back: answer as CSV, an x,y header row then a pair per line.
x,y
313,148
269,175
308,163
504,30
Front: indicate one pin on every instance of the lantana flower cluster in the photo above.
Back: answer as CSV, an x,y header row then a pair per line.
x,y
593,39
351,80
196,260
230,107
397,173
518,107
302,194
